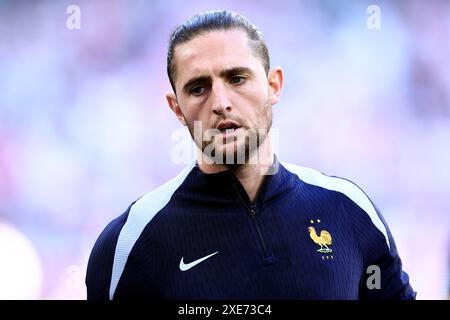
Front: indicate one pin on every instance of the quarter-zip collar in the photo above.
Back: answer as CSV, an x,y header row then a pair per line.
x,y
224,185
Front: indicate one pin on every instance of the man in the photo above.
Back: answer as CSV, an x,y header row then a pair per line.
x,y
237,223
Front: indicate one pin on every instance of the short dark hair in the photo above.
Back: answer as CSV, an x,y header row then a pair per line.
x,y
211,21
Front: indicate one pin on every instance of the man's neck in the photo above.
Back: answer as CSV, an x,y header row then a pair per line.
x,y
251,174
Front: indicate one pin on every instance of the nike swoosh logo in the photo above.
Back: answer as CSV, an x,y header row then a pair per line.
x,y
185,267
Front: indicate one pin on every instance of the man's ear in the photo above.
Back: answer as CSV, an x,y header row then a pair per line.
x,y
173,104
275,79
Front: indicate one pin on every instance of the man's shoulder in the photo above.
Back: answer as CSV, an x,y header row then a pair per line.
x,y
344,189
146,207
355,201
129,225
108,237
331,183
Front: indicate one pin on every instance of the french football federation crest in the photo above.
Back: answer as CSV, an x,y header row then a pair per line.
x,y
324,240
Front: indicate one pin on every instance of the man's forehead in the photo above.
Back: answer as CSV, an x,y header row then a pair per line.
x,y
215,39
213,51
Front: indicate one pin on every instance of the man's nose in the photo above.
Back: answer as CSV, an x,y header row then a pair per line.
x,y
220,100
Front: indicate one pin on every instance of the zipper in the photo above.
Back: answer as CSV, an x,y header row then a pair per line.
x,y
252,211
268,257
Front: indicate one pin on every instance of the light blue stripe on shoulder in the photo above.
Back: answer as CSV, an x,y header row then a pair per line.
x,y
141,213
346,187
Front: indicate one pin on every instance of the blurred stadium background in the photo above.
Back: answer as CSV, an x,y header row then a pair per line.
x,y
85,129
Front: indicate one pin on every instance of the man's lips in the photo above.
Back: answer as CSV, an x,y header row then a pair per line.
x,y
228,132
227,125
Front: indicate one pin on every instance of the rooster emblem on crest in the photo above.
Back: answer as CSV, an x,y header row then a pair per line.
x,y
324,240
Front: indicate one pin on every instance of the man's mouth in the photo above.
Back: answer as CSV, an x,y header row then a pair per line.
x,y
228,129
228,126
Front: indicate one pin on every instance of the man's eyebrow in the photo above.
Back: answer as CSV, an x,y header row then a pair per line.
x,y
196,80
223,74
235,70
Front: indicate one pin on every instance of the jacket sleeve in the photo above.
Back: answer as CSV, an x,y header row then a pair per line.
x,y
383,277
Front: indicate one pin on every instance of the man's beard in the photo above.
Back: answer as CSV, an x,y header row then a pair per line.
x,y
239,149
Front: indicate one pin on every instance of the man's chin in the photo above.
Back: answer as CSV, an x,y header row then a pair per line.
x,y
236,150
229,154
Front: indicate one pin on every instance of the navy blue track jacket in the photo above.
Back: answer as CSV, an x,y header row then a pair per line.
x,y
198,236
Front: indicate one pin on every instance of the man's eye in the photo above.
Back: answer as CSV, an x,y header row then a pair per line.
x,y
237,79
197,91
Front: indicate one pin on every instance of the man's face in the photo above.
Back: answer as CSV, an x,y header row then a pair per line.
x,y
222,84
